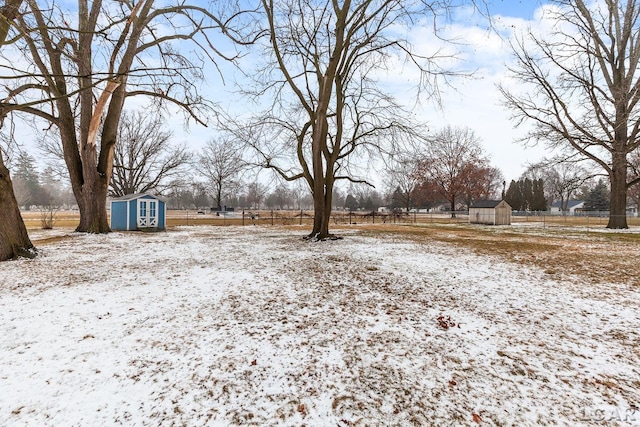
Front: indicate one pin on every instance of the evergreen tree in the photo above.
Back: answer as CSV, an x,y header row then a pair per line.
x,y
351,203
27,182
397,199
539,202
368,204
514,196
527,194
598,197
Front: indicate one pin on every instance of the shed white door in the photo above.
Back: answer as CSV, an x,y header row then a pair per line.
x,y
147,213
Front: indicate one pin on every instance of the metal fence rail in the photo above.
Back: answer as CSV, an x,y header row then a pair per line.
x,y
304,217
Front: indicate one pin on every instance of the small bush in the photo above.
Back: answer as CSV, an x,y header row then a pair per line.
x,y
48,217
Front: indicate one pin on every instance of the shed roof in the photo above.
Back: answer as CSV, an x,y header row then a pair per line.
x,y
485,203
136,196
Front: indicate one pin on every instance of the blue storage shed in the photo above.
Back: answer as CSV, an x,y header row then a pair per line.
x,y
140,211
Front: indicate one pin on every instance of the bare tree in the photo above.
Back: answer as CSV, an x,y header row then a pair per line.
x,y
584,88
89,65
221,164
329,114
403,178
453,154
14,239
280,198
144,158
256,192
562,178
480,181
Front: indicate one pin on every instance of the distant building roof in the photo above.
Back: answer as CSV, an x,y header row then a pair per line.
x,y
485,204
570,204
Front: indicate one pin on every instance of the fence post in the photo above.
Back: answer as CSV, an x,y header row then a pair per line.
x,y
300,216
350,213
271,216
242,216
373,216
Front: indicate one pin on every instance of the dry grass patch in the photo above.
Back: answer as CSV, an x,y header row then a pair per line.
x,y
49,240
592,256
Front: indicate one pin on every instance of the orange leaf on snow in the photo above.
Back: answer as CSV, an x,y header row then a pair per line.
x,y
476,418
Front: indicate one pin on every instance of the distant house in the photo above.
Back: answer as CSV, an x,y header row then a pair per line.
x,y
494,212
138,212
573,206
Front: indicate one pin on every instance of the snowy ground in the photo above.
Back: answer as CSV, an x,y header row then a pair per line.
x,y
253,326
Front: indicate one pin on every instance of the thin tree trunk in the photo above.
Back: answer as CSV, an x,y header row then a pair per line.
x,y
453,207
14,240
618,202
219,196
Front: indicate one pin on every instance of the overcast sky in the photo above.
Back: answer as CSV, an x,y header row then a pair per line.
x,y
471,102
474,102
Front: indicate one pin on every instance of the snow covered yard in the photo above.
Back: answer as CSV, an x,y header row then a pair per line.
x,y
254,326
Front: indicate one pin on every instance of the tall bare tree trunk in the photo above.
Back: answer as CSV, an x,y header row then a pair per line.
x,y
97,164
618,183
318,145
14,240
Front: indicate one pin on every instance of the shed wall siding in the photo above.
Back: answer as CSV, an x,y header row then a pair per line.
x,y
162,214
482,216
133,214
503,215
119,215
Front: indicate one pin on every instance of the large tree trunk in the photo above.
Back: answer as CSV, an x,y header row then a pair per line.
x,y
14,240
91,170
93,206
318,144
328,197
618,201
92,197
318,211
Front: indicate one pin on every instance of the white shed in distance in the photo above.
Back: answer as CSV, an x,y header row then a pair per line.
x,y
494,212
